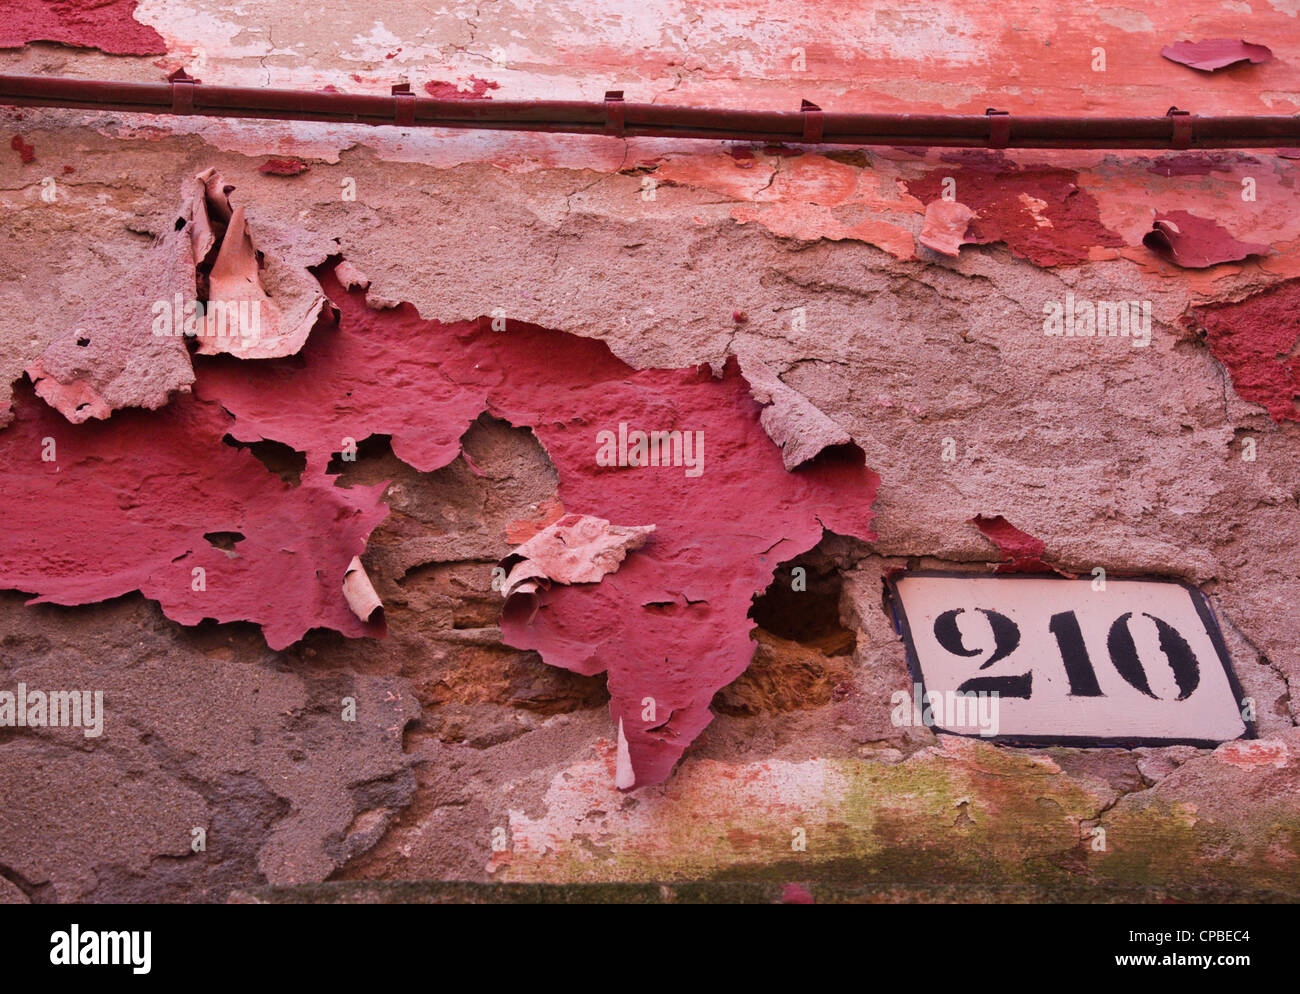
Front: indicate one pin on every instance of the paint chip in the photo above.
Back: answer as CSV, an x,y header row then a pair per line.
x,y
360,592
115,356
472,88
108,25
1213,54
578,548
790,419
1021,552
25,152
125,505
262,301
945,226
283,167
1195,242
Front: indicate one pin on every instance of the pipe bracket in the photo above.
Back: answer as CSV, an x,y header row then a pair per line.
x,y
615,113
182,91
999,127
404,105
1183,127
813,121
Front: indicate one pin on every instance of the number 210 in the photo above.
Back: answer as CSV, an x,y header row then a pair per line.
x,y
1079,669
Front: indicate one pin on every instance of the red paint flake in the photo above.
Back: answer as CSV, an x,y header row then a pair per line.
x,y
108,25
796,894
672,624
1001,192
744,157
1196,242
1215,53
739,317
1021,552
68,170
126,503
282,167
26,152
1255,339
472,89
945,226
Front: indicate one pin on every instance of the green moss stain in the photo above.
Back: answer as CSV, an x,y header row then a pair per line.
x,y
975,816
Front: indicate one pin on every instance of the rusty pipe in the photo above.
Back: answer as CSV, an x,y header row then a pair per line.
x,y
182,95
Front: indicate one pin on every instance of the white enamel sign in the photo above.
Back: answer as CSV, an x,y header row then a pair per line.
x,y
1054,660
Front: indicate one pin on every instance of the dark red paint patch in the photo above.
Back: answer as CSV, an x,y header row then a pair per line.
x,y
282,167
1199,163
477,89
671,626
25,152
1002,193
1256,341
744,156
108,25
1021,552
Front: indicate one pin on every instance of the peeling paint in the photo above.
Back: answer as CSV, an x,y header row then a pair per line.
x,y
696,582
789,418
101,509
945,226
112,358
1062,231
1214,54
1255,339
1196,242
108,25
910,354
1021,552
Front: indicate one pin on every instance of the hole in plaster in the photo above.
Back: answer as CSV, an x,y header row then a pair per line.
x,y
223,540
369,448
283,460
803,653
805,608
83,341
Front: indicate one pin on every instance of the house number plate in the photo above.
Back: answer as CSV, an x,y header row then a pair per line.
x,y
1052,660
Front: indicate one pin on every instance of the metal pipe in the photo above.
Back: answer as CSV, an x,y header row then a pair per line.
x,y
182,95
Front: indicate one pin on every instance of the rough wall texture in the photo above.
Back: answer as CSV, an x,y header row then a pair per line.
x,y
471,760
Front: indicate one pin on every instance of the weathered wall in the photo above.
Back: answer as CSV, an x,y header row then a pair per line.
x,y
1115,456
